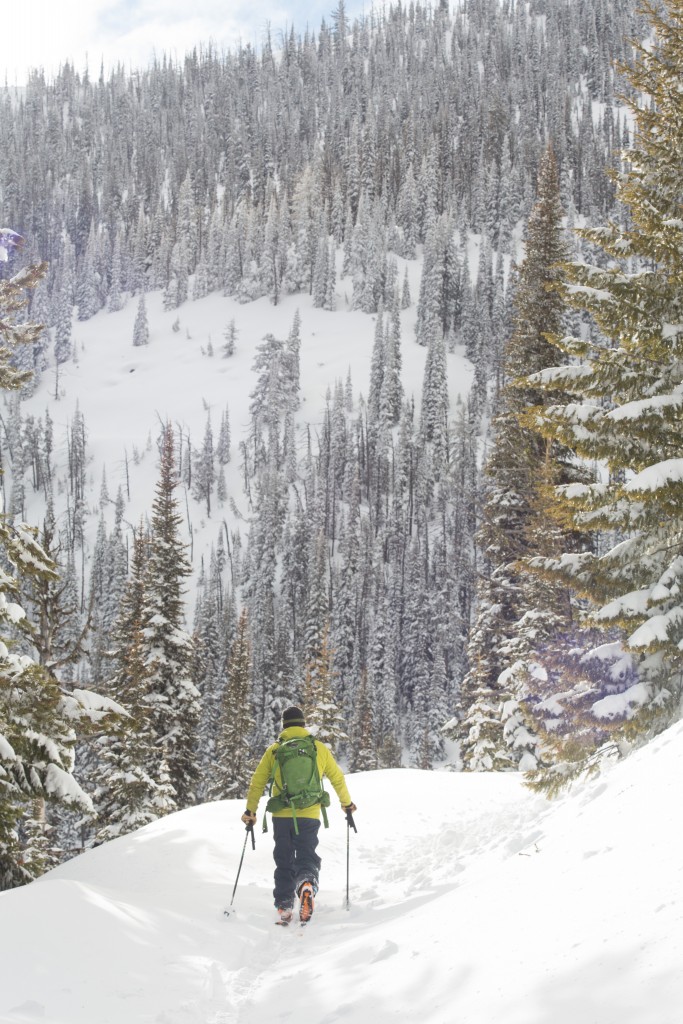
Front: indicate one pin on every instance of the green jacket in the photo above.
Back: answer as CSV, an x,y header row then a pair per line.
x,y
327,767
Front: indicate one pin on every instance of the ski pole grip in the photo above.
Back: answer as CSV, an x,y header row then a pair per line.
x,y
250,828
350,822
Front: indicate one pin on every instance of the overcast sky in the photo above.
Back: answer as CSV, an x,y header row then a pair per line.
x,y
47,33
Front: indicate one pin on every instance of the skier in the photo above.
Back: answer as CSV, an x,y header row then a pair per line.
x,y
295,828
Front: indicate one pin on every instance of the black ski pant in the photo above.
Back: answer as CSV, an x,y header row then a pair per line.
x,y
295,858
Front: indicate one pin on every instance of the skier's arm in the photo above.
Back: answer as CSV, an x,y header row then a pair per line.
x,y
260,780
333,772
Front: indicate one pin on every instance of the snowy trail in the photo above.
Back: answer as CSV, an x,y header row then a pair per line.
x,y
400,862
472,901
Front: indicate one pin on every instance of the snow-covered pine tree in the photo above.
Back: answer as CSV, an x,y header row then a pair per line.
x,y
625,409
230,335
204,468
323,716
330,301
87,291
37,719
434,406
234,757
141,326
53,604
223,446
115,298
292,361
132,790
362,753
63,326
515,610
260,596
381,683
173,697
212,637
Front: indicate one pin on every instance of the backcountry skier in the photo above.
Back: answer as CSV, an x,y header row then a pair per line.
x,y
296,807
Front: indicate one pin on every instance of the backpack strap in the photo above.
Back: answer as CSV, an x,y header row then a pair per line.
x,y
264,826
324,796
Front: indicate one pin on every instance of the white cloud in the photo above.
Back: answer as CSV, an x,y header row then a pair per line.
x,y
47,33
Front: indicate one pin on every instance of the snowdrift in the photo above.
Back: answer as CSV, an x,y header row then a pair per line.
x,y
472,901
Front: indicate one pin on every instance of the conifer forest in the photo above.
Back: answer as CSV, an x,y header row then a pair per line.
x,y
492,584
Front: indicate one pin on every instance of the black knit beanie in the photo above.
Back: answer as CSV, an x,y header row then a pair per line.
x,y
292,716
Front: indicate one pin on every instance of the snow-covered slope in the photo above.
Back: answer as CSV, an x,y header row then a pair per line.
x,y
125,394
472,901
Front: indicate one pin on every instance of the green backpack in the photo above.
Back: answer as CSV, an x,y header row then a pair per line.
x,y
300,785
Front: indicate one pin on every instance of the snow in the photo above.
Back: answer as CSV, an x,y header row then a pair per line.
x,y
126,393
654,478
472,900
597,294
63,786
657,630
86,704
616,705
6,750
10,609
634,410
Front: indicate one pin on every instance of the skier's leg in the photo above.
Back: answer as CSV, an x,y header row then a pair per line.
x,y
307,861
283,855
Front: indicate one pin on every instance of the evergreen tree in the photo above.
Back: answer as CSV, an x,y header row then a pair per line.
x,y
204,469
624,409
55,607
135,787
168,647
234,761
63,327
141,327
323,717
115,298
514,610
230,335
37,719
87,291
363,755
223,446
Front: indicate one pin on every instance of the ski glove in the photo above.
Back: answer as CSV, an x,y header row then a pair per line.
x,y
249,818
349,808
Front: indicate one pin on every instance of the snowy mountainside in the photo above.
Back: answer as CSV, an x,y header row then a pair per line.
x,y
126,393
472,900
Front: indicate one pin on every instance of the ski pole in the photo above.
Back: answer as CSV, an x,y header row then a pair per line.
x,y
250,829
350,824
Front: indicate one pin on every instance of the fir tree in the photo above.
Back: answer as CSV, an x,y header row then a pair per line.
x,y
115,298
323,717
230,335
363,755
204,469
37,719
135,787
223,446
168,647
624,411
141,327
234,761
515,612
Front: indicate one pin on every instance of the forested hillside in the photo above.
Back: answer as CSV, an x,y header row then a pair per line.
x,y
375,566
